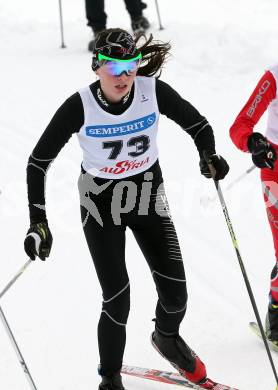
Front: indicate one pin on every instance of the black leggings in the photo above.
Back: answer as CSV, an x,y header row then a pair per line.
x,y
97,17
156,236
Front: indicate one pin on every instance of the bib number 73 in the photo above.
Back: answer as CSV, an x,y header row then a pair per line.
x,y
141,145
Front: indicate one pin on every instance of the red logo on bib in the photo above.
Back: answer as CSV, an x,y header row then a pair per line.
x,y
124,166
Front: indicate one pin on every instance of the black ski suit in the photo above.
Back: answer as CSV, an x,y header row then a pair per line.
x,y
154,231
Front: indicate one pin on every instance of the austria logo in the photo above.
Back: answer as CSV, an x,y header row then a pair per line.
x,y
124,166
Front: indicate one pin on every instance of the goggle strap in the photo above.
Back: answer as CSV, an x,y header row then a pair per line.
x,y
103,57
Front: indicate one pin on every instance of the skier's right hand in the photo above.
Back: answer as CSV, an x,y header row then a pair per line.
x,y
38,241
263,153
220,166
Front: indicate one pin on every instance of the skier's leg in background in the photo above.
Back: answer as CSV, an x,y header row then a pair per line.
x,y
158,241
138,21
134,8
95,14
270,189
96,17
107,247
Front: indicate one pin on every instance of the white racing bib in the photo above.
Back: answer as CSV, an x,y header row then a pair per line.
x,y
118,146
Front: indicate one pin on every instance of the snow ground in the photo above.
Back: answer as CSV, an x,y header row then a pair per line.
x,y
220,49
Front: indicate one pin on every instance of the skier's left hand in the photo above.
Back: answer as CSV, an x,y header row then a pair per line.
x,y
220,165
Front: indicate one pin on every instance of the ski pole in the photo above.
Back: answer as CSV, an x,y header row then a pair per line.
x,y
243,270
158,15
8,329
61,25
240,177
20,272
206,199
17,350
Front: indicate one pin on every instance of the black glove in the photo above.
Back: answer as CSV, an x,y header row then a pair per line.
x,y
263,153
38,241
220,165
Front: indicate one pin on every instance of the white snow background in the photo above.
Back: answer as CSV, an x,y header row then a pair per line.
x,y
220,50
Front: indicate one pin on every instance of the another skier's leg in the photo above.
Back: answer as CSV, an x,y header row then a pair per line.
x,y
96,18
270,190
139,22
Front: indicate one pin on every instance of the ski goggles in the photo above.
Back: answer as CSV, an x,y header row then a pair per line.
x,y
115,67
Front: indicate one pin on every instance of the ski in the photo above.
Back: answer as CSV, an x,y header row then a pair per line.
x,y
255,328
171,378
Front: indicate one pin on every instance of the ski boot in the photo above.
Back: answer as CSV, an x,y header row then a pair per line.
x,y
178,353
143,5
271,323
140,24
113,382
92,41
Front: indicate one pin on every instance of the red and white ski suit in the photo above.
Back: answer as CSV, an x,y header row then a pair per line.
x,y
264,97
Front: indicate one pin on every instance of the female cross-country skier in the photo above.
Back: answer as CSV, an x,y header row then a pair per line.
x,y
121,185
264,154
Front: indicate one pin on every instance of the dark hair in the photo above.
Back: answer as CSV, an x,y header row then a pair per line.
x,y
154,55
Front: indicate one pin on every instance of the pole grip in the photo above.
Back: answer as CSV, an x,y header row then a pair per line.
x,y
207,157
